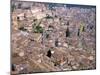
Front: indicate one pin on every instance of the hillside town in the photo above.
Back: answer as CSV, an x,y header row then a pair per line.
x,y
52,37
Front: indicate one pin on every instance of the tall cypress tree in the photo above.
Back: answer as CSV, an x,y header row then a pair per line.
x,y
67,32
49,53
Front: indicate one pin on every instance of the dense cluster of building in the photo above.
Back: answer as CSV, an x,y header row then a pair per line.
x,y
50,37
